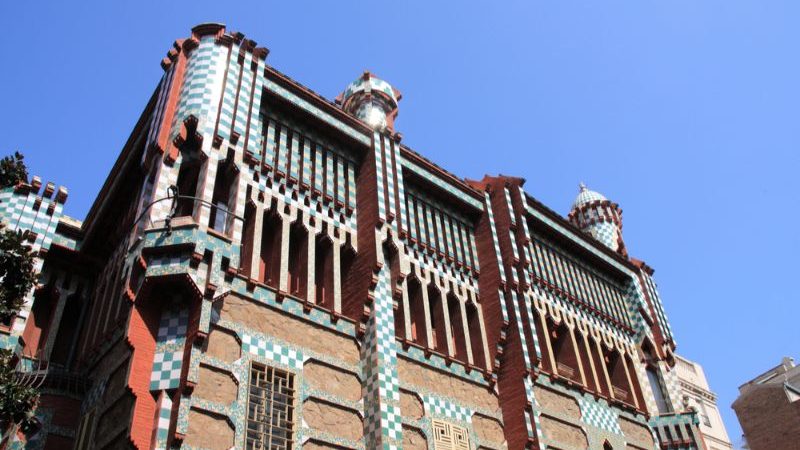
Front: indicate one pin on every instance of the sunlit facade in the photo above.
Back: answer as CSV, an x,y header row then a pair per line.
x,y
268,269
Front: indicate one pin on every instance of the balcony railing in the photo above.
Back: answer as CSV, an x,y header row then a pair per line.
x,y
676,431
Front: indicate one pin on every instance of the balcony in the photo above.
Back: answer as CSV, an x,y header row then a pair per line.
x,y
677,431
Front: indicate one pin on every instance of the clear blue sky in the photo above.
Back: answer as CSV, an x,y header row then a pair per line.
x,y
683,111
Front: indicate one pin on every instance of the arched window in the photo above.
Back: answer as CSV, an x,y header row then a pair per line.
x,y
457,335
616,371
564,352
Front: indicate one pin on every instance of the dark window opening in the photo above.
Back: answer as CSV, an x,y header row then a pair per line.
x,y
564,352
323,276
475,334
457,336
188,176
248,234
438,332
224,197
541,334
585,355
599,364
67,332
416,306
616,371
270,259
298,260
657,386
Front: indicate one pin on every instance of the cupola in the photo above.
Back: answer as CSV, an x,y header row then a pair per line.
x,y
598,217
372,100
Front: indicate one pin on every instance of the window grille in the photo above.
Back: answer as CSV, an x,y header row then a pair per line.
x,y
270,409
447,436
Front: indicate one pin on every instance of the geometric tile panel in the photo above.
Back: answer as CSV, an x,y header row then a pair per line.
x,y
170,341
599,415
439,407
271,351
166,370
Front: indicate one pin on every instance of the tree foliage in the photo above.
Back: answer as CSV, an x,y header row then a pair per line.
x,y
16,272
13,170
17,401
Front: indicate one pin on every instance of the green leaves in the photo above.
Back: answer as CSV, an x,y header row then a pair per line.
x,y
17,402
13,170
16,272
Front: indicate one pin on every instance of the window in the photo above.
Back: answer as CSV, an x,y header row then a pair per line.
x,y
658,390
447,436
704,412
270,409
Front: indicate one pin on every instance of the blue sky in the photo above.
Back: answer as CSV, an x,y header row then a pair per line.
x,y
683,111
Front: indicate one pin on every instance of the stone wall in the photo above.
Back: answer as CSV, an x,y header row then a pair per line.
x,y
636,433
332,419
271,322
223,345
488,430
216,385
447,385
332,380
557,402
564,433
208,431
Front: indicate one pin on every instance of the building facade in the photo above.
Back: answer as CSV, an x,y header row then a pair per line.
x,y
267,269
697,394
768,408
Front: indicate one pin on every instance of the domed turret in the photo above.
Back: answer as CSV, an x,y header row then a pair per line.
x,y
372,100
598,217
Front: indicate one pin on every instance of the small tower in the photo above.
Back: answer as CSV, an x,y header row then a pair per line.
x,y
372,100
598,217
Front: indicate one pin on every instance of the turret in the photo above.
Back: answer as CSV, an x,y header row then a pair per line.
x,y
372,100
598,217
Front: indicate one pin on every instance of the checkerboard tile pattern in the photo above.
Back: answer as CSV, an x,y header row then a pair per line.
x,y
272,351
163,421
26,211
166,370
440,407
170,341
606,233
383,421
599,415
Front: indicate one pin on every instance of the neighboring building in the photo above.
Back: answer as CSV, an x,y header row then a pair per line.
x,y
697,393
266,269
768,408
